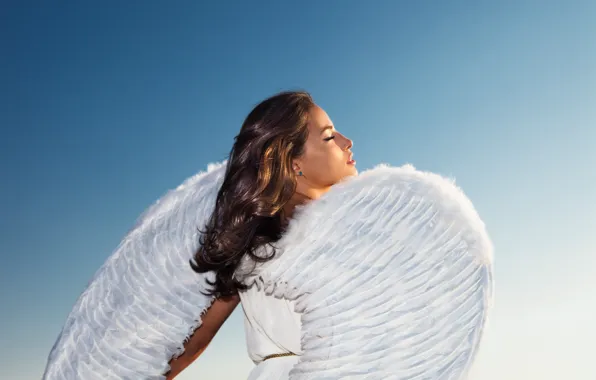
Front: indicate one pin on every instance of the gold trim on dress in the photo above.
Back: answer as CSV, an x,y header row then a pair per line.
x,y
278,355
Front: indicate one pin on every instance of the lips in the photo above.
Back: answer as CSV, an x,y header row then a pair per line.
x,y
351,161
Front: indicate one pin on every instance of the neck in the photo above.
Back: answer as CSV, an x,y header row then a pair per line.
x,y
312,192
302,195
296,200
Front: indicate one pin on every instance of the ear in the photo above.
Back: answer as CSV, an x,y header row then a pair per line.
x,y
296,166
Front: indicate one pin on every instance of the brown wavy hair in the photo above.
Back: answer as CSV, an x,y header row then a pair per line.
x,y
259,181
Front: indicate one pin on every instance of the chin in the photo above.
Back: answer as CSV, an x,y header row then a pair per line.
x,y
352,172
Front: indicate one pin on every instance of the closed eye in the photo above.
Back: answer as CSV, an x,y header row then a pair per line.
x,y
329,138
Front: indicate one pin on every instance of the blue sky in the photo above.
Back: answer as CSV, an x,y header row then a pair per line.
x,y
107,106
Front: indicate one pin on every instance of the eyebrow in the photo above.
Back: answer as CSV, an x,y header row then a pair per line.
x,y
326,128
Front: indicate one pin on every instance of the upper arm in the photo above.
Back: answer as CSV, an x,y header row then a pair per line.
x,y
212,321
216,315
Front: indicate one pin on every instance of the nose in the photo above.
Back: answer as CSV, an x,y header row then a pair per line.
x,y
349,144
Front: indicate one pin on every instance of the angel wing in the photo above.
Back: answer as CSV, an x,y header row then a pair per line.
x,y
143,303
392,272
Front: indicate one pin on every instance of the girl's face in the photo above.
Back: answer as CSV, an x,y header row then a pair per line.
x,y
327,157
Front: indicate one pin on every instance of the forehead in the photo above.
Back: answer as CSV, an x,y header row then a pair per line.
x,y
318,119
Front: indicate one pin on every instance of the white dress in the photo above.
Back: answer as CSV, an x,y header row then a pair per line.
x,y
272,327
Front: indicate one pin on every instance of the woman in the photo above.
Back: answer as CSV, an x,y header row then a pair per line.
x,y
405,290
288,152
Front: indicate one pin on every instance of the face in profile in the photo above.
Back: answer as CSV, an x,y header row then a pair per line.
x,y
327,157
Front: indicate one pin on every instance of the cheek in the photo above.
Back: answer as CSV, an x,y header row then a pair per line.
x,y
327,167
324,163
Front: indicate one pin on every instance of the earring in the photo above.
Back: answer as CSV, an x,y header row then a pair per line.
x,y
300,173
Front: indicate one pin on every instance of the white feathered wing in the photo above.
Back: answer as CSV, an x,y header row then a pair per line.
x,y
392,272
145,300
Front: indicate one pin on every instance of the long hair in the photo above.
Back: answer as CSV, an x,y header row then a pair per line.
x,y
258,182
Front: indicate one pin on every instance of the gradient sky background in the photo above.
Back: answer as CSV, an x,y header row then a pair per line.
x,y
106,106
